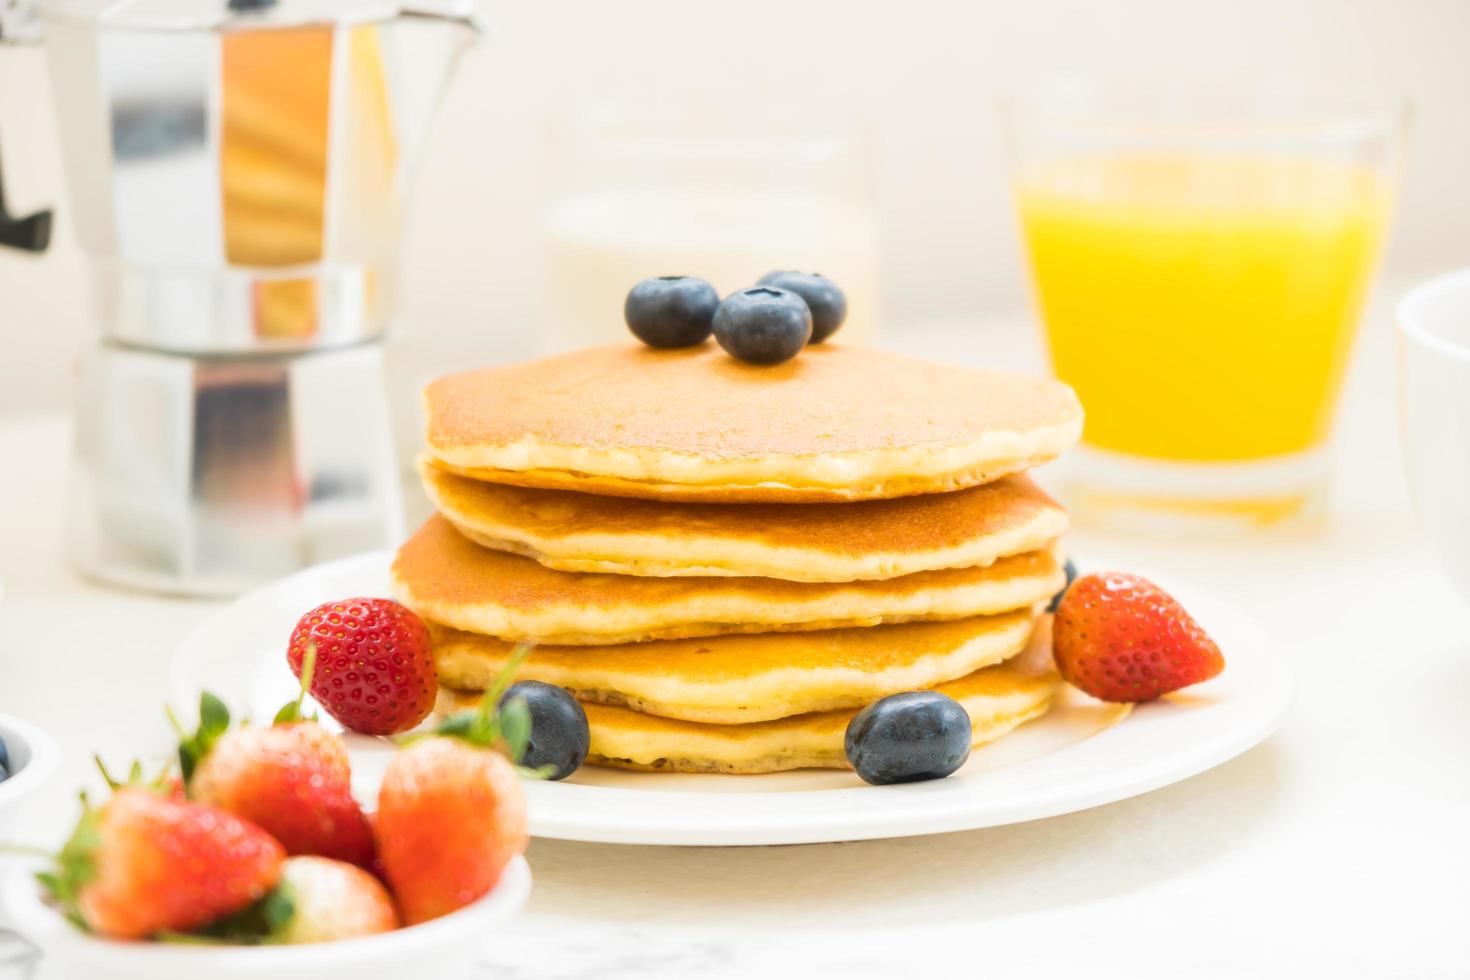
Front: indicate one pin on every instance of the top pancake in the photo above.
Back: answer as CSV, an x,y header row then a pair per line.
x,y
873,539
833,424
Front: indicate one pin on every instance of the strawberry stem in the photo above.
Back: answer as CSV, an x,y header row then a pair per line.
x,y
506,676
135,778
106,776
174,723
135,774
491,723
291,711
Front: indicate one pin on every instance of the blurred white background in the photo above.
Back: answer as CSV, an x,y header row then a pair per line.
x,y
925,70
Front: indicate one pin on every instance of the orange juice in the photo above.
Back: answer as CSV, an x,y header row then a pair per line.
x,y
1202,306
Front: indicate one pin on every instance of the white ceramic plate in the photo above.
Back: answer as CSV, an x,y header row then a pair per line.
x,y
1081,754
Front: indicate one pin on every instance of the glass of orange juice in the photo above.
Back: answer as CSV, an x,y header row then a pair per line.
x,y
1200,262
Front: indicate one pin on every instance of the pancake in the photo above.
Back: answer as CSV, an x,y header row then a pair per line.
x,y
998,699
875,539
739,679
834,424
445,577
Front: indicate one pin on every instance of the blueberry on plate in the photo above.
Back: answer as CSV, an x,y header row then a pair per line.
x,y
822,296
763,324
559,736
671,311
904,738
1056,600
4,761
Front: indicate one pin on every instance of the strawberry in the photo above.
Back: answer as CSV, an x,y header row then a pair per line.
x,y
331,900
145,863
375,672
1119,637
293,780
450,817
451,811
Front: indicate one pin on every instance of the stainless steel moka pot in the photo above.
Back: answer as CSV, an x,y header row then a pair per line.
x,y
238,171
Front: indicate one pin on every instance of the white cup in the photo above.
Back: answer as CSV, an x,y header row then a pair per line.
x,y
1434,399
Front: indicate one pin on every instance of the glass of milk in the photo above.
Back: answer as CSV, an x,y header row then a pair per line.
x,y
703,186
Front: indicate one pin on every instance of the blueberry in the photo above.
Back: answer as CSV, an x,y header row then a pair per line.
x,y
559,735
4,761
822,296
908,737
671,311
1056,600
763,324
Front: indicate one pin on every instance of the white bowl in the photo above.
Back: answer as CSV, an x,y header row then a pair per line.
x,y
446,947
1434,396
33,758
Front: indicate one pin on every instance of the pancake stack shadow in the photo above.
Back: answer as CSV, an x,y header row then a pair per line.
x,y
725,562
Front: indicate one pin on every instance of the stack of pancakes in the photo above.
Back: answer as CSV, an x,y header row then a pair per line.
x,y
724,562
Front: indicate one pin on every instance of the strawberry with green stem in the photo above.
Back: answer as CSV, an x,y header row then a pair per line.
x,y
318,900
331,900
451,810
292,778
146,862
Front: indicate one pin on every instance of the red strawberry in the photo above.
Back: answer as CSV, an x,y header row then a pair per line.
x,y
294,781
451,815
145,863
1121,638
374,669
331,900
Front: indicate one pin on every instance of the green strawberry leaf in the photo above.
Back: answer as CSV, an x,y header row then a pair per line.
x,y
277,909
515,727
256,923
136,778
506,726
214,717
214,721
461,724
75,864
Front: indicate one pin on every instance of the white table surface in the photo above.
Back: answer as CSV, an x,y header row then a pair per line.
x,y
1340,847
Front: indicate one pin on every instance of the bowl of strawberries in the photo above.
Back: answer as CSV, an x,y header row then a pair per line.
x,y
252,858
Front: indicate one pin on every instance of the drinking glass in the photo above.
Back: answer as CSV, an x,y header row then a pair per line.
x,y
702,186
1200,262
